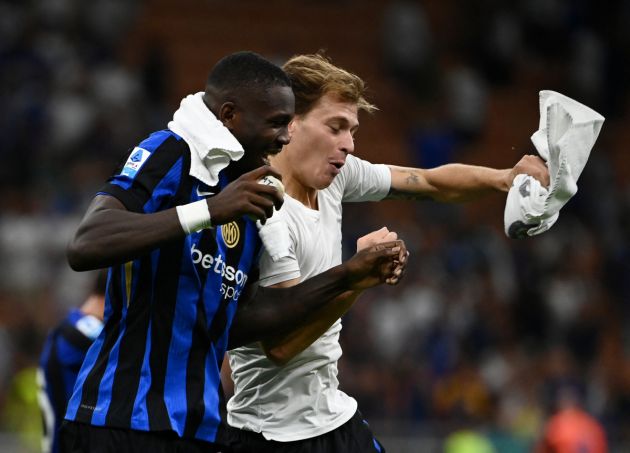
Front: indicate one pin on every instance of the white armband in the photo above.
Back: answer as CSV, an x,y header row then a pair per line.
x,y
194,216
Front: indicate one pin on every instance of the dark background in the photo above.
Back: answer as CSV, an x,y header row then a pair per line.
x,y
484,331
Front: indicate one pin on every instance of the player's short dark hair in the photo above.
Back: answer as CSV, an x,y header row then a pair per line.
x,y
245,70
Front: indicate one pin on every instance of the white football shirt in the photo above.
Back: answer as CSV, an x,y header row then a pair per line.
x,y
301,399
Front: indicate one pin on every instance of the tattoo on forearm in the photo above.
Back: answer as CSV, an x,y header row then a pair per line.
x,y
412,178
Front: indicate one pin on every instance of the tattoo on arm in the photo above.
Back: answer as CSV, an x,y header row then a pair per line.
x,y
412,179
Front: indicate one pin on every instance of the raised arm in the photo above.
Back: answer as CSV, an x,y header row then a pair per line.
x,y
461,182
273,312
109,234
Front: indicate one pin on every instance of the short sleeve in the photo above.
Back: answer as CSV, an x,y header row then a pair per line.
x,y
273,272
364,181
151,175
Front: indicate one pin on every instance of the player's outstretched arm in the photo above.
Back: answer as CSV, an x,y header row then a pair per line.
x,y
282,348
461,182
276,311
109,234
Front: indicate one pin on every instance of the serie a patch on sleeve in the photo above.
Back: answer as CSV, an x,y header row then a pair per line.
x,y
134,162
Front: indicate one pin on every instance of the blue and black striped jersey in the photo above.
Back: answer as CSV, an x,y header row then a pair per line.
x,y
156,364
59,364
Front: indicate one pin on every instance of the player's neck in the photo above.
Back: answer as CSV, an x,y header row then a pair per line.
x,y
298,191
292,184
305,195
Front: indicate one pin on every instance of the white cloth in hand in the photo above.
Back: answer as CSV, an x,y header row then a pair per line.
x,y
275,236
566,134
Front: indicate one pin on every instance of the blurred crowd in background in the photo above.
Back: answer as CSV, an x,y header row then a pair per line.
x,y
485,334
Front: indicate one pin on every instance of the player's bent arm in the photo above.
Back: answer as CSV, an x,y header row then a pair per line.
x,y
109,234
448,183
282,348
271,312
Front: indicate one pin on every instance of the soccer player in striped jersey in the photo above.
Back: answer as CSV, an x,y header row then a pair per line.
x,y
62,356
286,389
176,225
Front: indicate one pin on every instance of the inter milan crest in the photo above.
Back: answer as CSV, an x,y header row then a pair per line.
x,y
231,234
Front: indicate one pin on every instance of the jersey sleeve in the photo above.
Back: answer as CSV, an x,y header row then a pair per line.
x,y
363,180
274,272
150,176
278,264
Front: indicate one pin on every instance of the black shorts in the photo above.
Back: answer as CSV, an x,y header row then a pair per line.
x,y
83,438
354,436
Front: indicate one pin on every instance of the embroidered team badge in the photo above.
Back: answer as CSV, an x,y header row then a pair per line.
x,y
134,162
230,233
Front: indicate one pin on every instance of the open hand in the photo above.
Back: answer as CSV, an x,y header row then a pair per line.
x,y
245,196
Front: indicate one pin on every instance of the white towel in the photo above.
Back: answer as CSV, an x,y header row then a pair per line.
x,y
212,148
564,139
275,237
275,232
212,145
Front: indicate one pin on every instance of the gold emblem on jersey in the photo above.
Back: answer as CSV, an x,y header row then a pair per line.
x,y
231,234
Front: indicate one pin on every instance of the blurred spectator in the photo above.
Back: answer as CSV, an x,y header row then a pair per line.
x,y
20,412
571,429
466,98
462,79
62,357
407,46
468,441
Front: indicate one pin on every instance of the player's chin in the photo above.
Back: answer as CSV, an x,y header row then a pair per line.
x,y
323,182
265,158
273,152
330,177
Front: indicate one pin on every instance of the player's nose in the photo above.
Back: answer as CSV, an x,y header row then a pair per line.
x,y
347,143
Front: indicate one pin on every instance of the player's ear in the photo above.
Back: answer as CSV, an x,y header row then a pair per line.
x,y
293,125
227,114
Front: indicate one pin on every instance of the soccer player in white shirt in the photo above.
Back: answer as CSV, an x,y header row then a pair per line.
x,y
286,391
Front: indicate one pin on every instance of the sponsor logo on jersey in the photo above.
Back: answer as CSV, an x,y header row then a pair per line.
x,y
218,265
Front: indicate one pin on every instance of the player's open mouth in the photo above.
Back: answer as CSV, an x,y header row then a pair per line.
x,y
335,167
